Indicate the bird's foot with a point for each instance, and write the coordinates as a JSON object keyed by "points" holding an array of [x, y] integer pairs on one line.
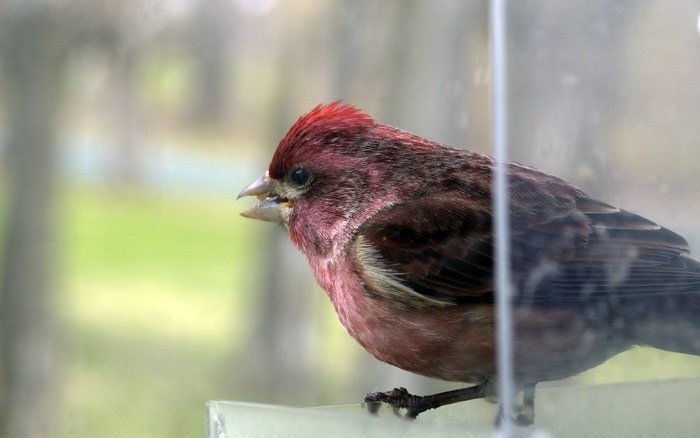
{"points": [[525, 415], [397, 398], [400, 398], [522, 419], [522, 415]]}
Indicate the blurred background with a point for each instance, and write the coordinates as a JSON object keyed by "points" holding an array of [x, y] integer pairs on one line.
{"points": [[131, 291]]}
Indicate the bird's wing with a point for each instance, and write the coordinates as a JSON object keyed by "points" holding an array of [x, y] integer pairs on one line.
{"points": [[565, 247], [427, 252]]}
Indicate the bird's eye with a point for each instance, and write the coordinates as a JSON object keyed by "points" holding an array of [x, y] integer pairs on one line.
{"points": [[300, 176]]}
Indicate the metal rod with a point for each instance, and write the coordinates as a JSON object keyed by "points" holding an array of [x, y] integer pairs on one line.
{"points": [[499, 114]]}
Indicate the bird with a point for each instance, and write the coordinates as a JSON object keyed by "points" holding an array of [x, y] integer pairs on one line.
{"points": [[399, 233]]}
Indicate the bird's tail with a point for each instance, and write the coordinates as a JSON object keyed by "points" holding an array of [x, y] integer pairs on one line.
{"points": [[672, 321]]}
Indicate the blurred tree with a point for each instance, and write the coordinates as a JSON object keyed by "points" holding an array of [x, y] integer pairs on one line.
{"points": [[279, 365], [436, 52], [562, 100], [32, 58], [431, 59], [350, 27], [128, 47], [210, 32], [350, 67]]}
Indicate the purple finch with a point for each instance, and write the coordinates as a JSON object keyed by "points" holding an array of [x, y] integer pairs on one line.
{"points": [[398, 232]]}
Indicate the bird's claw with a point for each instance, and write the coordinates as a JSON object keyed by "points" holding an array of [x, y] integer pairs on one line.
{"points": [[523, 417], [397, 398], [523, 420]]}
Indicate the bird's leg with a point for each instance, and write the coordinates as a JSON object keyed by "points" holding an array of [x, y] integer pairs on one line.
{"points": [[399, 398], [524, 415]]}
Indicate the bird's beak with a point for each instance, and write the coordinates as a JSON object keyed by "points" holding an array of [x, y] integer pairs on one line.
{"points": [[271, 205]]}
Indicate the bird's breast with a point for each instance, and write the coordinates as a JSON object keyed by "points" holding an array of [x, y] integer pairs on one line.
{"points": [[458, 343], [450, 344]]}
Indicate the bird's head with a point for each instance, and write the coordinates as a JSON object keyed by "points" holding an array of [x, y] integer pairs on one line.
{"points": [[334, 168], [318, 177]]}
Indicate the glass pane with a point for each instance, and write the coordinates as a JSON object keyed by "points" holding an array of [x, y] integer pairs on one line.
{"points": [[131, 291], [239, 419], [572, 411], [604, 95]]}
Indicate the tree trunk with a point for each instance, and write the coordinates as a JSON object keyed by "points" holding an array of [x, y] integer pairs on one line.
{"points": [[209, 42], [279, 364], [32, 61], [127, 154]]}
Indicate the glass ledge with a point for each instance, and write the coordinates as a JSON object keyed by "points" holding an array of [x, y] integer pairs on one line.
{"points": [[634, 409]]}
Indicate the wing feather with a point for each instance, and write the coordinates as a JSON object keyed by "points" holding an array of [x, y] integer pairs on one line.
{"points": [[566, 248]]}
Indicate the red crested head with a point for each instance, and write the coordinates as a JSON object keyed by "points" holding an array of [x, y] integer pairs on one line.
{"points": [[332, 167], [315, 130]]}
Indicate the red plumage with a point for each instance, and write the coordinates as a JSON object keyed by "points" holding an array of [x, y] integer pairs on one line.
{"points": [[398, 231], [321, 122]]}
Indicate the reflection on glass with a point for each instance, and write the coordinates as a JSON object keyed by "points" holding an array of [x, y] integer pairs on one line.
{"points": [[126, 128], [589, 103]]}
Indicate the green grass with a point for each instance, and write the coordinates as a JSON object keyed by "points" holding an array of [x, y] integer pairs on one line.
{"points": [[186, 240], [151, 284]]}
